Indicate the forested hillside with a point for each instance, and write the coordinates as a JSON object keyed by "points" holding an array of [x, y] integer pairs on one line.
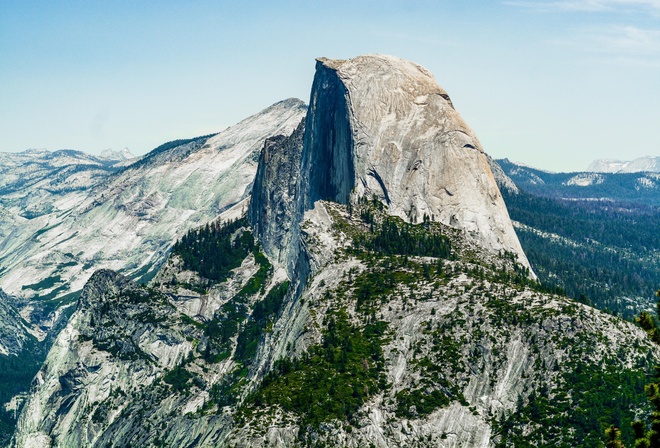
{"points": [[601, 252]]}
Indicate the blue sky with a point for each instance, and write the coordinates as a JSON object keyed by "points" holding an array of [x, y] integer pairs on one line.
{"points": [[554, 84]]}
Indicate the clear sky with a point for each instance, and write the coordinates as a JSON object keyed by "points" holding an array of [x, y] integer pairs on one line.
{"points": [[554, 84]]}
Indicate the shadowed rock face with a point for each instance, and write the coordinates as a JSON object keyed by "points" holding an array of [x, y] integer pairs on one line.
{"points": [[328, 156], [274, 210]]}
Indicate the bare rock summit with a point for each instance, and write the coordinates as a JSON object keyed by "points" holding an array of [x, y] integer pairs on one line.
{"points": [[380, 125]]}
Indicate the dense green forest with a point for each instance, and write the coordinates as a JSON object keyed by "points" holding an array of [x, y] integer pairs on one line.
{"points": [[212, 252], [607, 255], [394, 236]]}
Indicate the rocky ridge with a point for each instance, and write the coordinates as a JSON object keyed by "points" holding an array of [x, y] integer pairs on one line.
{"points": [[127, 220], [454, 350]]}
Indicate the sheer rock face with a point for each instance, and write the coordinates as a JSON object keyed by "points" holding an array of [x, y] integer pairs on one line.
{"points": [[380, 125], [274, 209]]}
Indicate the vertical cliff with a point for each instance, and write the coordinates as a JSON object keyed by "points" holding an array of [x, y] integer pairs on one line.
{"points": [[328, 158], [380, 125], [274, 205]]}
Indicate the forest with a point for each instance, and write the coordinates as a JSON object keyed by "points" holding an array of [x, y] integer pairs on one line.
{"points": [[602, 253]]}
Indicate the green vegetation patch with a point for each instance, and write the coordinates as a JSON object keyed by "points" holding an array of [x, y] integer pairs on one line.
{"points": [[228, 390], [419, 402], [221, 329], [179, 378], [46, 283], [263, 314], [67, 264], [391, 235], [333, 379], [216, 249], [589, 399]]}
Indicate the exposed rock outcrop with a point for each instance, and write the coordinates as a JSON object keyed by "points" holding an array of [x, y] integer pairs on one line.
{"points": [[380, 125], [503, 181]]}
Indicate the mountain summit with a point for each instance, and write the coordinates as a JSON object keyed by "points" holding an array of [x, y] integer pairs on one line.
{"points": [[380, 127], [641, 164], [396, 134], [119, 156]]}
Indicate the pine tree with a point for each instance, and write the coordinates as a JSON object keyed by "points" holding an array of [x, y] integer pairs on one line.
{"points": [[613, 436], [649, 438]]}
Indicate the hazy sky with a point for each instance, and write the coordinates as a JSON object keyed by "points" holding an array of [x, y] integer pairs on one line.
{"points": [[554, 84]]}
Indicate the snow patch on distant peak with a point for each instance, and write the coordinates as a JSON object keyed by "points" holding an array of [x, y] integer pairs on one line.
{"points": [[641, 164], [532, 178], [585, 180], [120, 156]]}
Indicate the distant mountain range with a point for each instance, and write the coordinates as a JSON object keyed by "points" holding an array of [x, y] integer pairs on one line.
{"points": [[641, 164], [634, 188]]}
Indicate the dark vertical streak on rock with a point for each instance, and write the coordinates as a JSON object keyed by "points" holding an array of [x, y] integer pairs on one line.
{"points": [[373, 173], [328, 144]]}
